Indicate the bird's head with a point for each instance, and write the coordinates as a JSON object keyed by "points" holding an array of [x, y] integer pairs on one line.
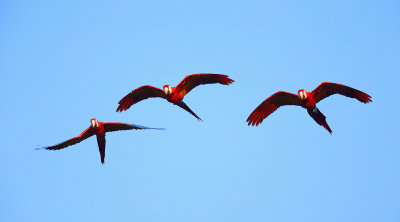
{"points": [[302, 94], [167, 89], [94, 123]]}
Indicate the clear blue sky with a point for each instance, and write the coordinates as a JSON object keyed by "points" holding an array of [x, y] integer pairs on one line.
{"points": [[65, 62]]}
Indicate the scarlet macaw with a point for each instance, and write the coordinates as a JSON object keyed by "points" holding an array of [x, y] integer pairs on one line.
{"points": [[99, 129], [307, 100], [173, 94]]}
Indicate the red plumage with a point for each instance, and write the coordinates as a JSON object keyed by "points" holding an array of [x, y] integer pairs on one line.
{"points": [[307, 100], [99, 129], [173, 95]]}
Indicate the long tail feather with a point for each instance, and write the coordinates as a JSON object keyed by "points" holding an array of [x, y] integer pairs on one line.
{"points": [[101, 141], [319, 118], [185, 107]]}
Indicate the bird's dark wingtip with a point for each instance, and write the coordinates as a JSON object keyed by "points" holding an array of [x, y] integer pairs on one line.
{"points": [[145, 127], [40, 148]]}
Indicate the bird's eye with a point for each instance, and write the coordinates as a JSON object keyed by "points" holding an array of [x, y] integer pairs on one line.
{"points": [[170, 89]]}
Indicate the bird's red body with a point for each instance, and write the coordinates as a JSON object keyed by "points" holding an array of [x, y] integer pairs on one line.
{"points": [[173, 95], [307, 100], [99, 129]]}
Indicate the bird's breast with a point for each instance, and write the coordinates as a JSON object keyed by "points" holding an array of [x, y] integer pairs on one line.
{"points": [[174, 98], [308, 103], [99, 130]]}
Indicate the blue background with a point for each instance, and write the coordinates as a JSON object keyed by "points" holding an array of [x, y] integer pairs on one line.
{"points": [[65, 62]]}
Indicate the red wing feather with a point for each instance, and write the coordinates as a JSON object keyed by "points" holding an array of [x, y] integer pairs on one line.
{"points": [[138, 95], [84, 135], [327, 89], [271, 104], [193, 80]]}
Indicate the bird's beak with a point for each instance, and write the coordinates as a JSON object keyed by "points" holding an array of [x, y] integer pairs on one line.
{"points": [[166, 90]]}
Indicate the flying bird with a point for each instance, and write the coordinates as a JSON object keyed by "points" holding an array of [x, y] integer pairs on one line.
{"points": [[173, 95], [99, 129], [307, 100]]}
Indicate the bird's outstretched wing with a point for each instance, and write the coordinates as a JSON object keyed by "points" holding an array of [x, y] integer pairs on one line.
{"points": [[138, 95], [271, 104], [193, 80], [84, 135], [110, 127], [327, 89]]}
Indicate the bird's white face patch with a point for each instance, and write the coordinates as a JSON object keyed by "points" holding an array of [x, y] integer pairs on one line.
{"points": [[167, 90], [302, 95], [94, 123]]}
